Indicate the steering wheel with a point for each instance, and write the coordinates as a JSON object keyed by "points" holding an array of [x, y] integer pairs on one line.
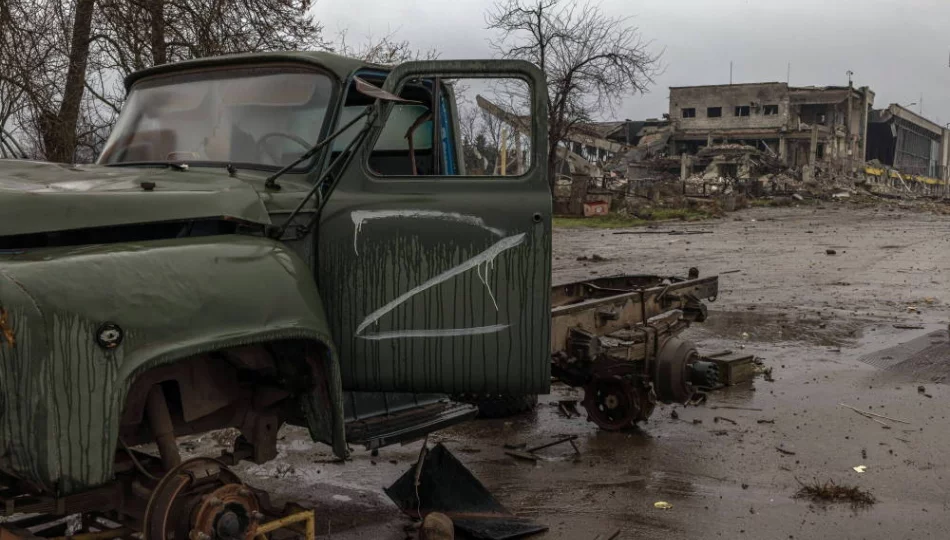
{"points": [[267, 150]]}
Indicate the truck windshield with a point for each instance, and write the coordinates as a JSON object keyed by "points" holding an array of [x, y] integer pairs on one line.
{"points": [[264, 117]]}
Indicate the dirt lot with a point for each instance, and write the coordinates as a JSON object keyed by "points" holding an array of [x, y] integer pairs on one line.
{"points": [[824, 324]]}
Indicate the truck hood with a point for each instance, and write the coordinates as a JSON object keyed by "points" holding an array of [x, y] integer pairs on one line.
{"points": [[43, 197]]}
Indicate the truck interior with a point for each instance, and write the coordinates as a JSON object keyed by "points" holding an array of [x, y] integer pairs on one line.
{"points": [[405, 146]]}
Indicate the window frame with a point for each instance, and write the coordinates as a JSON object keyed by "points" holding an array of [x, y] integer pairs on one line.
{"points": [[450, 138], [709, 111], [307, 167]]}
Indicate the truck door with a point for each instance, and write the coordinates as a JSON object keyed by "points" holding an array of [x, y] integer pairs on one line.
{"points": [[436, 278]]}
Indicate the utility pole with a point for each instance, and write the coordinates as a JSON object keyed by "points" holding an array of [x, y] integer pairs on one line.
{"points": [[945, 150], [847, 127], [730, 71]]}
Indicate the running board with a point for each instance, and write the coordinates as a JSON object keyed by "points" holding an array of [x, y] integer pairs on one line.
{"points": [[407, 425]]}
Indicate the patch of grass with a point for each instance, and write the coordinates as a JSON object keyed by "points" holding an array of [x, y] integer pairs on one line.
{"points": [[610, 221], [830, 492], [776, 202], [619, 221], [762, 203], [682, 214]]}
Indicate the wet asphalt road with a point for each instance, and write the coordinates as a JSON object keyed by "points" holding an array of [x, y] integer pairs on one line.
{"points": [[823, 323]]}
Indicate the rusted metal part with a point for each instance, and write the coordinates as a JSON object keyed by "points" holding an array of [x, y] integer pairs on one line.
{"points": [[160, 422], [615, 403], [628, 299], [6, 330], [201, 499], [230, 511], [672, 380], [529, 453], [616, 338]]}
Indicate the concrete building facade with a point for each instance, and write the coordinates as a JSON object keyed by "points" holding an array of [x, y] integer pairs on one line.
{"points": [[801, 125]]}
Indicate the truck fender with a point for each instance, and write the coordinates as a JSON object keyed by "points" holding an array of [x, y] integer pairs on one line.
{"points": [[154, 303]]}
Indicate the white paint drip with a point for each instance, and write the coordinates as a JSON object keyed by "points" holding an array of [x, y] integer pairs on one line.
{"points": [[484, 277], [437, 332], [361, 216], [485, 256]]}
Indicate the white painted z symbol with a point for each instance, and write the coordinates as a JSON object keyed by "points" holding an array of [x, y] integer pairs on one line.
{"points": [[482, 263]]}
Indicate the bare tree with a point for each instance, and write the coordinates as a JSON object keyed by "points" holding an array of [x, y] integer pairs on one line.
{"points": [[11, 103], [185, 29], [387, 50], [590, 60], [66, 58], [44, 50]]}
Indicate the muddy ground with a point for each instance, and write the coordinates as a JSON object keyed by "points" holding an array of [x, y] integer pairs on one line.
{"points": [[823, 323]]}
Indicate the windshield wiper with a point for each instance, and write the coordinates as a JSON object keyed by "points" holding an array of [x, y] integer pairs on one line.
{"points": [[271, 181], [341, 162]]}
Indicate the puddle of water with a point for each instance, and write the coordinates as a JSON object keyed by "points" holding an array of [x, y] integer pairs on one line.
{"points": [[782, 327]]}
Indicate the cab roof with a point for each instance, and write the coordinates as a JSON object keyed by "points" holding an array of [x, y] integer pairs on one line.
{"points": [[340, 66]]}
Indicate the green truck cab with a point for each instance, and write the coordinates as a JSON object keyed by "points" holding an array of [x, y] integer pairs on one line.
{"points": [[266, 239]]}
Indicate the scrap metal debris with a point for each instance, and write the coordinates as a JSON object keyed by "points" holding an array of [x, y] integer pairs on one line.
{"points": [[443, 484], [568, 407], [529, 453], [874, 416], [735, 408]]}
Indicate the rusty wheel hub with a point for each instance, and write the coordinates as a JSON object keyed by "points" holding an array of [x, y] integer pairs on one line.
{"points": [[228, 513], [201, 499], [611, 403]]}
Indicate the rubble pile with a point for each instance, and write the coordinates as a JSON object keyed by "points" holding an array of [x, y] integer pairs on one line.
{"points": [[646, 180]]}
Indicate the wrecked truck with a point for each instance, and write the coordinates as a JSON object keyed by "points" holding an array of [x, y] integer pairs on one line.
{"points": [[276, 239]]}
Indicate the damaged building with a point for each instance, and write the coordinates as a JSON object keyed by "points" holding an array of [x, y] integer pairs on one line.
{"points": [[904, 140], [799, 125]]}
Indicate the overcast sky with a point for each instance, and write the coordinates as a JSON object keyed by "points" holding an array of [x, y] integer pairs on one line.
{"points": [[898, 48]]}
